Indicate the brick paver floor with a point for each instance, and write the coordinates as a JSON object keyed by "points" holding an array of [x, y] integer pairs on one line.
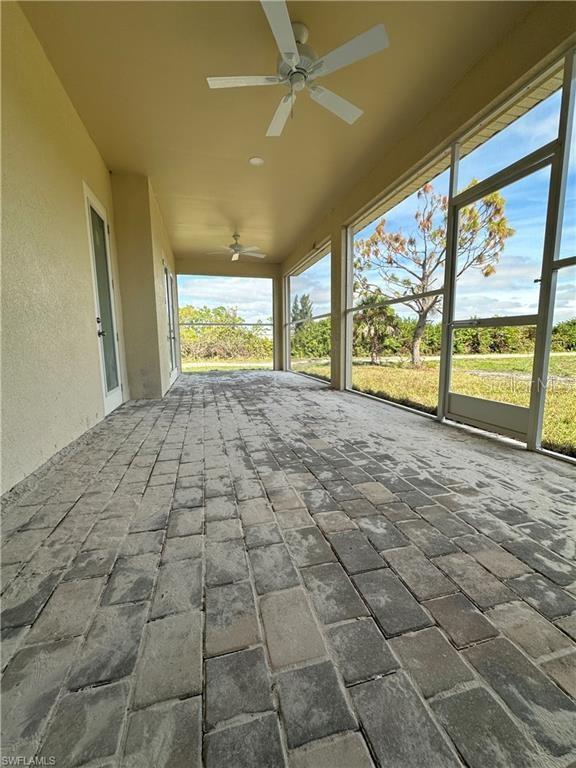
{"points": [[256, 571]]}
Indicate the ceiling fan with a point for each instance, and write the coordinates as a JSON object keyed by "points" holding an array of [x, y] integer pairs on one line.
{"points": [[299, 67], [237, 249]]}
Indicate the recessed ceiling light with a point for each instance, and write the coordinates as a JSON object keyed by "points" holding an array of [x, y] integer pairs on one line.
{"points": [[256, 161]]}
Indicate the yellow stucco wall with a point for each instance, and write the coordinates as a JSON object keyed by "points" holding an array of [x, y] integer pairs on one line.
{"points": [[51, 379], [162, 255]]}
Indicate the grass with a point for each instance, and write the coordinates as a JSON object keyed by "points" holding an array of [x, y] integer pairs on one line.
{"points": [[495, 377], [202, 366]]}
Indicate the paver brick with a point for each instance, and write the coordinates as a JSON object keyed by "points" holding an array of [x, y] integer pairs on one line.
{"points": [[360, 651], [425, 536], [546, 597], [170, 665], [533, 698], [132, 580], [225, 562], [381, 533], [393, 606], [492, 556], [418, 573], [231, 621], [484, 732], [291, 632], [332, 522], [400, 729], [223, 530], [475, 581], [111, 645], [562, 670], [461, 620], [526, 627], [541, 559], [68, 612], [376, 493], [178, 588], [147, 542], [86, 725], [26, 596], [313, 689], [168, 735], [355, 552], [185, 522], [348, 751], [254, 743], [237, 684], [220, 508], [308, 546], [261, 535], [273, 569], [30, 686], [255, 511], [333, 594], [182, 548], [431, 661]]}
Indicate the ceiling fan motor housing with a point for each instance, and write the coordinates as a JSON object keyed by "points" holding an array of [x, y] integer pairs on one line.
{"points": [[297, 75]]}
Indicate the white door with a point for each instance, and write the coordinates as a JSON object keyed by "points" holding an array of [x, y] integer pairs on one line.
{"points": [[105, 326], [169, 284]]}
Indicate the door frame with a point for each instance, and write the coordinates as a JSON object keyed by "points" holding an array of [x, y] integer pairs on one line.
{"points": [[490, 415], [113, 399], [169, 283]]}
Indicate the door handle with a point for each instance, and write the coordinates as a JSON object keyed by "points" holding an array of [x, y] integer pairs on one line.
{"points": [[101, 333]]}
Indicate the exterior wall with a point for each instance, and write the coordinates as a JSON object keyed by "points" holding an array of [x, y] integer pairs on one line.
{"points": [[51, 376], [162, 256], [225, 267], [538, 41]]}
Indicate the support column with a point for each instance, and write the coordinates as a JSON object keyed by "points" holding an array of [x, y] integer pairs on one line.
{"points": [[279, 320], [133, 228], [339, 287]]}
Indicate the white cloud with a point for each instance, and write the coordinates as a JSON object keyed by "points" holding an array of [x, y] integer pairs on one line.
{"points": [[252, 296]]}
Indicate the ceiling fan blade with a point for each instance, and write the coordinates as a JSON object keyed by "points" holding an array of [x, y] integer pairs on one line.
{"points": [[281, 116], [249, 248], [281, 26], [343, 109], [255, 255], [358, 48], [239, 82]]}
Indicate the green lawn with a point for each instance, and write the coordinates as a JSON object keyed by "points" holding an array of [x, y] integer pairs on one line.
{"points": [[496, 377], [201, 366]]}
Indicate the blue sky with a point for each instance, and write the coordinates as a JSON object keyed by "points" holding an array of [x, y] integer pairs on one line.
{"points": [[315, 281], [509, 291]]}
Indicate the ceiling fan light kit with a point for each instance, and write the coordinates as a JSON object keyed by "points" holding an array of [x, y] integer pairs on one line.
{"points": [[299, 66]]}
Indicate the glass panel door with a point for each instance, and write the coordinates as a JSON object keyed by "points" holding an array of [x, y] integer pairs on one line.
{"points": [[105, 318], [170, 309], [499, 245]]}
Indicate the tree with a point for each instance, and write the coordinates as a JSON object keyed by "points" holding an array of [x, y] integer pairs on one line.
{"points": [[218, 333], [302, 308], [414, 264], [375, 330]]}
